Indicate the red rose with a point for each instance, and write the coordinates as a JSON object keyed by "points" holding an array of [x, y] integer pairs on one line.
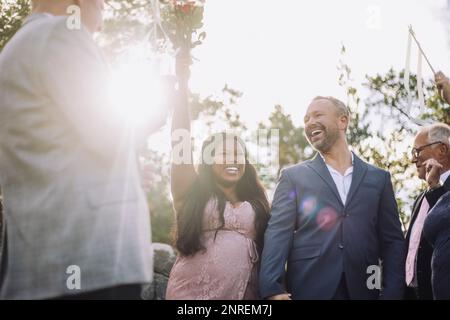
{"points": [[187, 7]]}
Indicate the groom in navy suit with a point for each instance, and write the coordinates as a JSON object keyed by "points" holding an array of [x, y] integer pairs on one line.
{"points": [[334, 224]]}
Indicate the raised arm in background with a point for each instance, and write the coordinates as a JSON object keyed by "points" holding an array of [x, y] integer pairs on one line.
{"points": [[183, 174], [443, 84]]}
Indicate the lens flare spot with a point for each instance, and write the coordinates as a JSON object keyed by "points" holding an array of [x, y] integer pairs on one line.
{"points": [[292, 195], [327, 218], [308, 205]]}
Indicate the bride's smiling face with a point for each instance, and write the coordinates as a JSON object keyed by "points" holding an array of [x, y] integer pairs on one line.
{"points": [[229, 162]]}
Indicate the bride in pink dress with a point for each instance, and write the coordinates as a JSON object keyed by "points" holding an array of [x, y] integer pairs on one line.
{"points": [[222, 212]]}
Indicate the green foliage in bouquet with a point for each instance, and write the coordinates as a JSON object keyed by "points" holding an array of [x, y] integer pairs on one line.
{"points": [[182, 22]]}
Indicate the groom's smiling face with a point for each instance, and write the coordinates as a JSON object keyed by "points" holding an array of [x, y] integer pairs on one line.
{"points": [[322, 124]]}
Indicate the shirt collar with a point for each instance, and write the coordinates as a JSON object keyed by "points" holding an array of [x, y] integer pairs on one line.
{"points": [[347, 172], [444, 176], [353, 158]]}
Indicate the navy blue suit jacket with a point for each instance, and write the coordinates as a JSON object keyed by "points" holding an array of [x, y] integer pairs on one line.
{"points": [[313, 238]]}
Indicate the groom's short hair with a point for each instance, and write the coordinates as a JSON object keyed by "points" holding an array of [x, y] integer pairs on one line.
{"points": [[340, 106]]}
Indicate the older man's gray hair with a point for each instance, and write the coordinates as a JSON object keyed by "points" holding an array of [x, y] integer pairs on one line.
{"points": [[439, 132]]}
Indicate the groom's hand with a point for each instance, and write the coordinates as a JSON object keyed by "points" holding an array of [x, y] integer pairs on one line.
{"points": [[283, 296]]}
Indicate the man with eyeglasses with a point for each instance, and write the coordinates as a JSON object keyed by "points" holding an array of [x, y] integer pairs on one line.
{"points": [[431, 155]]}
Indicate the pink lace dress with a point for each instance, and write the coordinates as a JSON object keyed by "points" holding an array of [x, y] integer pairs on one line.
{"points": [[227, 270]]}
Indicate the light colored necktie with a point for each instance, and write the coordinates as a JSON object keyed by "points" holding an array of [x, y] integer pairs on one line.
{"points": [[415, 240]]}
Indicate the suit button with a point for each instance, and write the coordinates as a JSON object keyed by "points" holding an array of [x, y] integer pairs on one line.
{"points": [[346, 215], [341, 246]]}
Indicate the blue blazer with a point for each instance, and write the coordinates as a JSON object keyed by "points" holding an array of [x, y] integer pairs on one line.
{"points": [[313, 238]]}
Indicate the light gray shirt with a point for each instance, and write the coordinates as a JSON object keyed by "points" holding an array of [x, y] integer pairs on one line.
{"points": [[68, 169]]}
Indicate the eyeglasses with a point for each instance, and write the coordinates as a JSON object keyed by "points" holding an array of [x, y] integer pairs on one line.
{"points": [[415, 152]]}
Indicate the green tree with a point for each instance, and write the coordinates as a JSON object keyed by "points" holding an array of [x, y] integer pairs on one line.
{"points": [[12, 14], [159, 200], [293, 146], [388, 102], [126, 23], [221, 110], [381, 126]]}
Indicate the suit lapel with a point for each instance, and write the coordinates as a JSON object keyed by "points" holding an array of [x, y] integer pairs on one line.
{"points": [[447, 184], [319, 166], [359, 171]]}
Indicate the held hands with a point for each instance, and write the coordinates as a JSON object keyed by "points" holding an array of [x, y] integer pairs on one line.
{"points": [[433, 171], [443, 85], [283, 296]]}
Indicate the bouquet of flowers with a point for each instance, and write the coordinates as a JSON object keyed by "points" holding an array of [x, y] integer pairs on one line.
{"points": [[180, 22]]}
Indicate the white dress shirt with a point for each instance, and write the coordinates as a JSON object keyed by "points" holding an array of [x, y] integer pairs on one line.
{"points": [[444, 176], [342, 182]]}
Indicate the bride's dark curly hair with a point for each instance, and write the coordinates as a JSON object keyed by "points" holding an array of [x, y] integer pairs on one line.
{"points": [[248, 188]]}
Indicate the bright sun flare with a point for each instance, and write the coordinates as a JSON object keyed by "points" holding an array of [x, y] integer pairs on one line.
{"points": [[136, 86]]}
